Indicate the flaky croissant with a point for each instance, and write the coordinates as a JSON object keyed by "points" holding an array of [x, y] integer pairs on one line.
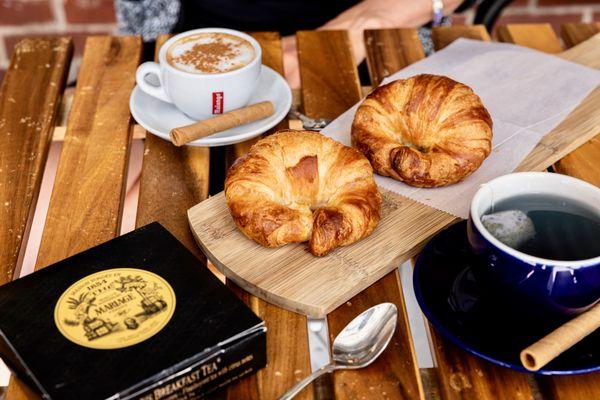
{"points": [[426, 130], [295, 186]]}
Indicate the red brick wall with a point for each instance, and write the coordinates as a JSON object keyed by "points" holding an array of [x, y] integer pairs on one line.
{"points": [[79, 18], [556, 12], [75, 18]]}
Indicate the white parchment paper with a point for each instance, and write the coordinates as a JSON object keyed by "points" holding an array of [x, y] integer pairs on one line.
{"points": [[526, 92]]}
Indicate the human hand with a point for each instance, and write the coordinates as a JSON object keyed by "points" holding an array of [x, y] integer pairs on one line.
{"points": [[369, 14], [381, 14], [290, 61]]}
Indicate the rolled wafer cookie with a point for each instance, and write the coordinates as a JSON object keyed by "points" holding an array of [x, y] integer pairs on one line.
{"points": [[207, 127], [561, 339]]}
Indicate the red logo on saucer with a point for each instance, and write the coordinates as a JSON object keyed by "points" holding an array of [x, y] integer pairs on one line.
{"points": [[217, 103]]}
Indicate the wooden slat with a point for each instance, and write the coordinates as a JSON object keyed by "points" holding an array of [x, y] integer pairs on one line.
{"points": [[395, 374], [465, 377], [29, 101], [173, 179], [86, 202], [272, 56], [329, 86], [581, 163], [88, 191], [442, 36], [287, 337], [389, 50], [575, 33], [329, 79], [576, 387], [535, 36], [584, 53], [58, 134], [461, 375], [288, 356]]}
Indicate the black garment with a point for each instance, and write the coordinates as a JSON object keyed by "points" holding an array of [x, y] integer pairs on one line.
{"points": [[284, 16]]}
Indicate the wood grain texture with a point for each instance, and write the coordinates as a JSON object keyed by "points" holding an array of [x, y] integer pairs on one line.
{"points": [[466, 377], [584, 53], [581, 163], [287, 338], [272, 56], [442, 36], [170, 184], [395, 374], [87, 199], [288, 356], [575, 387], [535, 36], [88, 191], [327, 93], [575, 33], [389, 50], [173, 179], [291, 277], [29, 101], [461, 375]]}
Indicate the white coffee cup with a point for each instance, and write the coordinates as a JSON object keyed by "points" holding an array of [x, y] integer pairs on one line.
{"points": [[201, 95]]}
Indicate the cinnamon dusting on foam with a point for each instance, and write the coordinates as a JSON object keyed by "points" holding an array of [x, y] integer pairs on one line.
{"points": [[210, 53]]}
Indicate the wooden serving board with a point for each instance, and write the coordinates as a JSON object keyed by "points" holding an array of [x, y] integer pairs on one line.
{"points": [[292, 278]]}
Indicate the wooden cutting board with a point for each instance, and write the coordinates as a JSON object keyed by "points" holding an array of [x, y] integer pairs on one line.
{"points": [[292, 278]]}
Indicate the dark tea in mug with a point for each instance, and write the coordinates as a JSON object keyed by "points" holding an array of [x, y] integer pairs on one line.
{"points": [[551, 227]]}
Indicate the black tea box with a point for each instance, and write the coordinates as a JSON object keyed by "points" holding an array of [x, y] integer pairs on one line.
{"points": [[137, 317]]}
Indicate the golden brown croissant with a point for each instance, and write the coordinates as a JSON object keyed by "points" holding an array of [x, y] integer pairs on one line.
{"points": [[426, 130], [295, 186]]}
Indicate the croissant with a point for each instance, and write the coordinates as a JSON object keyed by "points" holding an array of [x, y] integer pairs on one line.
{"points": [[295, 186], [426, 130]]}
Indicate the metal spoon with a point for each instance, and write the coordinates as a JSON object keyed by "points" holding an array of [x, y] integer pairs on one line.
{"points": [[358, 344], [309, 123]]}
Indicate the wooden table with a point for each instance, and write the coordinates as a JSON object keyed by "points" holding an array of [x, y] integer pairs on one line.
{"points": [[87, 199]]}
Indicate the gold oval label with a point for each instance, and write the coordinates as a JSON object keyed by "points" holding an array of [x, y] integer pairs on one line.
{"points": [[114, 308]]}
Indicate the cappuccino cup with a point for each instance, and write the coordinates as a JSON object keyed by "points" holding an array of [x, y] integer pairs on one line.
{"points": [[204, 72]]}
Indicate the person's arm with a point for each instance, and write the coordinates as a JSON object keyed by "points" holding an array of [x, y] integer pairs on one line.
{"points": [[369, 14]]}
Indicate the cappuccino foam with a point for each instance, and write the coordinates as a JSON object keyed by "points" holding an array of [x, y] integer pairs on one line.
{"points": [[210, 53]]}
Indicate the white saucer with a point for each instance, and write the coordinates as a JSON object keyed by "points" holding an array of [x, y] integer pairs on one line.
{"points": [[159, 117]]}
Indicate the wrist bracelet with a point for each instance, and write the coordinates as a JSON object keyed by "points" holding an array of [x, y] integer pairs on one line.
{"points": [[438, 12]]}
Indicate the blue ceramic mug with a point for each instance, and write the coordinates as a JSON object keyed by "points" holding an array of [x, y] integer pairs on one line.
{"points": [[541, 285]]}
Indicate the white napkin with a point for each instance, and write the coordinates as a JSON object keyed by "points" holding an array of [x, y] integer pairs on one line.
{"points": [[526, 92]]}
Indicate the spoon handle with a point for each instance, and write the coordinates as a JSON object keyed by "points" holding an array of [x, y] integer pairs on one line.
{"points": [[304, 382]]}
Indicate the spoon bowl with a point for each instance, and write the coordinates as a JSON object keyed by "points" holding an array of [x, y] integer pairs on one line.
{"points": [[358, 344], [365, 337]]}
